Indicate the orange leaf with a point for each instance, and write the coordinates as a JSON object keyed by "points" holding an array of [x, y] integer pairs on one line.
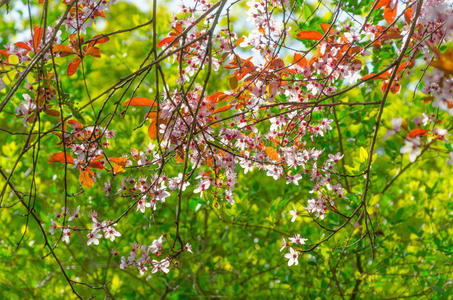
{"points": [[63, 48], [72, 68], [382, 3], [271, 153], [98, 39], [60, 157], [277, 63], [52, 112], [37, 37], [309, 35], [408, 15], [152, 115], [93, 51], [233, 81], [119, 160], [230, 67], [75, 124], [22, 45], [166, 40], [416, 132], [300, 60], [239, 40], [428, 99], [96, 165], [152, 129], [222, 108], [214, 97], [86, 178], [390, 14], [444, 61], [179, 156], [119, 164], [140, 101], [382, 76], [325, 27], [395, 88]]}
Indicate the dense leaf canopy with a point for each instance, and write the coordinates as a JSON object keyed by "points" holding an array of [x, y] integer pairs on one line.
{"points": [[226, 149]]}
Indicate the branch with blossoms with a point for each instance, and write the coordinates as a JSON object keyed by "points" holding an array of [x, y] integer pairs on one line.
{"points": [[271, 116]]}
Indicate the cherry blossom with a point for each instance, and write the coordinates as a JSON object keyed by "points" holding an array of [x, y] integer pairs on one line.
{"points": [[298, 240], [111, 233], [412, 147], [292, 257], [161, 265], [294, 213], [93, 237]]}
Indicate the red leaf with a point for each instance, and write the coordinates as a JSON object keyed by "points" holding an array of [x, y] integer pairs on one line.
{"points": [[222, 108], [214, 97], [86, 178], [140, 101], [408, 15], [72, 68], [22, 45], [75, 124], [99, 39], [300, 60], [271, 153], [325, 27], [416, 132], [52, 112], [60, 157], [152, 129], [381, 3], [230, 67], [37, 37], [309, 35], [4, 53], [166, 40], [96, 165], [63, 48], [390, 14], [395, 88], [93, 51], [385, 75]]}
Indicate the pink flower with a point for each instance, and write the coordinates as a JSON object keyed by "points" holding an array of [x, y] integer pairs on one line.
{"points": [[294, 213], [111, 233], [412, 147], [161, 265], [53, 226], [188, 248], [66, 235], [142, 204], [298, 240], [292, 257], [93, 237], [284, 244]]}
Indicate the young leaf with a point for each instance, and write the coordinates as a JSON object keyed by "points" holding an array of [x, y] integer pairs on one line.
{"points": [[233, 82], [72, 68], [309, 35], [152, 129], [140, 101], [271, 153], [86, 178], [60, 157], [416, 132], [37, 37]]}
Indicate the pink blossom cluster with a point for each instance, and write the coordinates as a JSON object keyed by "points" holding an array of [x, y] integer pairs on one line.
{"points": [[84, 13], [145, 257]]}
